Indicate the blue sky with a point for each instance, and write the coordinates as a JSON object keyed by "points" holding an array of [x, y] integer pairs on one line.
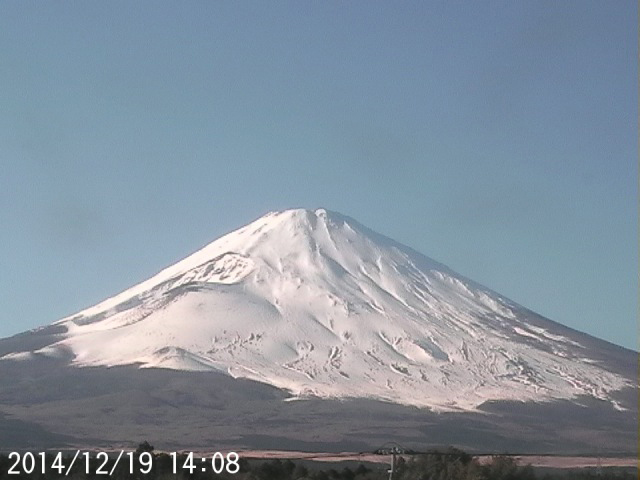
{"points": [[499, 138]]}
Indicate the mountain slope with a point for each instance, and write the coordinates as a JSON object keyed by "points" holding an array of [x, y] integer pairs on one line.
{"points": [[320, 306]]}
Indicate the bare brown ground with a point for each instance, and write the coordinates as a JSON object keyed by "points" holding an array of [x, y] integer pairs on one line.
{"points": [[536, 461]]}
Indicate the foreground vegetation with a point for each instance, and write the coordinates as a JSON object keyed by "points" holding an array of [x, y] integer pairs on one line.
{"points": [[445, 465]]}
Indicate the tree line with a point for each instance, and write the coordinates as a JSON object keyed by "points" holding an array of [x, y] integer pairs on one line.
{"points": [[451, 464]]}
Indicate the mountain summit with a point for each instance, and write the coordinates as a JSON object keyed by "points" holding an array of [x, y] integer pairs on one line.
{"points": [[316, 304]]}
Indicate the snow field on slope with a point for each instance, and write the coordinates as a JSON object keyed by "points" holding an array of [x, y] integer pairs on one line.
{"points": [[316, 304]]}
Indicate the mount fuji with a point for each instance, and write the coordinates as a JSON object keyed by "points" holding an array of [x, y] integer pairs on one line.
{"points": [[316, 309]]}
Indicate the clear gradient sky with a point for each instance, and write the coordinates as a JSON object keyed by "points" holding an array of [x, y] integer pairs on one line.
{"points": [[498, 137]]}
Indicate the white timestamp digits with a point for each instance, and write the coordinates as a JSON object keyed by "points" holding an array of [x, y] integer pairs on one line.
{"points": [[219, 463], [232, 463], [27, 465], [102, 464]]}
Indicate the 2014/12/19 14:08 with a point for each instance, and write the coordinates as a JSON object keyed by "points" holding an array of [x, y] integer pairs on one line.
{"points": [[104, 464]]}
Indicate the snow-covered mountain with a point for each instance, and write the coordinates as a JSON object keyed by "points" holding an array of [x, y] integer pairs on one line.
{"points": [[316, 304]]}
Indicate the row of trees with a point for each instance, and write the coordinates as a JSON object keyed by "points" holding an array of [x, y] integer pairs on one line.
{"points": [[444, 465]]}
